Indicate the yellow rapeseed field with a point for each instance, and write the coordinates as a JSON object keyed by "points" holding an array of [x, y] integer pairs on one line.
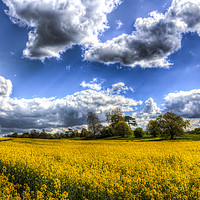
{"points": [[66, 169]]}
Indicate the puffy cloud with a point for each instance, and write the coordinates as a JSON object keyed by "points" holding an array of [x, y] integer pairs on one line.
{"points": [[56, 25], [184, 103], [186, 15], [151, 107], [117, 88], [194, 123], [38, 113], [150, 111], [5, 87], [92, 84], [119, 24], [154, 38]]}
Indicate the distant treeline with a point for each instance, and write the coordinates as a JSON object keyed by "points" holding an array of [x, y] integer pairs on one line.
{"points": [[41, 135], [168, 125], [119, 125], [84, 133]]}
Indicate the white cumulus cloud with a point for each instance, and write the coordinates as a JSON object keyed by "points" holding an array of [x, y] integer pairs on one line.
{"points": [[184, 103], [117, 88], [92, 85], [119, 24], [150, 111], [154, 38], [5, 87], [56, 25], [38, 113]]}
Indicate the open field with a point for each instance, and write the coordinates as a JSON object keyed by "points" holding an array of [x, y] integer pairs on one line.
{"points": [[99, 169]]}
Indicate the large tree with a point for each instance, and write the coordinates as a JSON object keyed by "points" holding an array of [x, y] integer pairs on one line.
{"points": [[93, 123], [153, 128], [122, 129], [84, 132], [107, 131], [172, 124], [115, 116], [139, 133]]}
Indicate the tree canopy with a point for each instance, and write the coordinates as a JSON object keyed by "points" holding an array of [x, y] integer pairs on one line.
{"points": [[115, 116], [153, 128], [138, 132], [122, 129], [172, 125], [130, 120]]}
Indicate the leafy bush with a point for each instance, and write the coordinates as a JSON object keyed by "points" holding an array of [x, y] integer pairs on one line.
{"points": [[138, 132], [122, 129]]}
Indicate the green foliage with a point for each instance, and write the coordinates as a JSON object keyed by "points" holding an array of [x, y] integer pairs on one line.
{"points": [[25, 135], [115, 116], [84, 133], [62, 135], [74, 134], [34, 134], [107, 131], [44, 135], [130, 121], [172, 125], [41, 135], [122, 129], [15, 134], [153, 128], [195, 131], [167, 125], [138, 132]]}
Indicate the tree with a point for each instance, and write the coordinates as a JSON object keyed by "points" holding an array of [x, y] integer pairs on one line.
{"points": [[130, 121], [115, 116], [34, 134], [55, 136], [43, 134], [93, 123], [84, 133], [122, 129], [15, 134], [25, 135], [107, 131], [197, 130], [153, 128], [172, 124], [138, 132], [62, 135], [70, 133], [74, 133]]}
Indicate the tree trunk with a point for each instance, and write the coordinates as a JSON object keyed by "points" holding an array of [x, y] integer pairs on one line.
{"points": [[172, 136]]}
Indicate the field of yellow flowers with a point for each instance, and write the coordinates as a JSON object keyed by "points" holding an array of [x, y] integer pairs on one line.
{"points": [[99, 169]]}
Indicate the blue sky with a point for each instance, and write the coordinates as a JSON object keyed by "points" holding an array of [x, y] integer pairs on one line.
{"points": [[58, 57]]}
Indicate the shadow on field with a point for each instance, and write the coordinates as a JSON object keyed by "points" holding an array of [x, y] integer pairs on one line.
{"points": [[186, 137], [4, 140]]}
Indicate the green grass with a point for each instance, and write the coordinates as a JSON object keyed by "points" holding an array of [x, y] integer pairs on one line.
{"points": [[148, 138]]}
